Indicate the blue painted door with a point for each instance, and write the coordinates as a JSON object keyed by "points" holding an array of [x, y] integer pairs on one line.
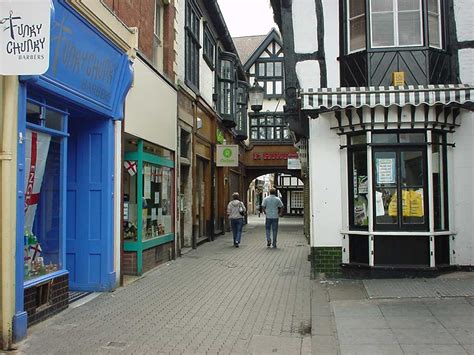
{"points": [[89, 239]]}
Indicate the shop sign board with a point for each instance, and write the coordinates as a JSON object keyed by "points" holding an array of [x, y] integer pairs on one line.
{"points": [[294, 164], [24, 36], [227, 155], [274, 156]]}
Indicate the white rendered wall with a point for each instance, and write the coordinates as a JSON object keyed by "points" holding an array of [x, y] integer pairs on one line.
{"points": [[309, 74], [305, 26], [151, 108], [325, 188], [464, 14], [466, 65], [463, 172], [206, 80], [331, 41]]}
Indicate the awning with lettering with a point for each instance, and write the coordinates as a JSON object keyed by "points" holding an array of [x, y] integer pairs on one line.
{"points": [[334, 99]]}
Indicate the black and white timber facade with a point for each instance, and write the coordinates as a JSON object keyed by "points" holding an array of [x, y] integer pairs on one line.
{"points": [[380, 96]]}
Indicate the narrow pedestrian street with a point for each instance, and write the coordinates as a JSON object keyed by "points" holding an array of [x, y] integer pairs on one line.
{"points": [[215, 299]]}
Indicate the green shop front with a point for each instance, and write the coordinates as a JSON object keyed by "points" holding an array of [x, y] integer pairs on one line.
{"points": [[148, 206]]}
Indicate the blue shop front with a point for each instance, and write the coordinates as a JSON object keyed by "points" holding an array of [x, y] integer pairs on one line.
{"points": [[66, 159]]}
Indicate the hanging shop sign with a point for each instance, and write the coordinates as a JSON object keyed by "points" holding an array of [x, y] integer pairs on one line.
{"points": [[227, 155], [294, 164], [24, 36]]}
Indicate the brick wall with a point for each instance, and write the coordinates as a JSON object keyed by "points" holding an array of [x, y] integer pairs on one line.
{"points": [[129, 263], [326, 260], [169, 54], [57, 300], [140, 14]]}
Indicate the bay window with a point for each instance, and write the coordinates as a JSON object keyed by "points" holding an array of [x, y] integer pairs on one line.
{"points": [[227, 86], [241, 114]]}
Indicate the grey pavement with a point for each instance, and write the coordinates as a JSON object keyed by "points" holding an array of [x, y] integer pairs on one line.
{"points": [[395, 316], [216, 299]]}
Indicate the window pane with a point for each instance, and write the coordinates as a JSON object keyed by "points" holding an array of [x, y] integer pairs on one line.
{"points": [[270, 69], [270, 121], [360, 188], [433, 6], [54, 120], [254, 133], [226, 69], [254, 122], [386, 206], [358, 139], [381, 5], [439, 183], [435, 36], [278, 133], [278, 87], [261, 69], [382, 30], [33, 113], [412, 138], [278, 69], [357, 34], [413, 206], [412, 168], [384, 138], [408, 5], [269, 89], [356, 7], [409, 28], [269, 132], [263, 121], [261, 133]]}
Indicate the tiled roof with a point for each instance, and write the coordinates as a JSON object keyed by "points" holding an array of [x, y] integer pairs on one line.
{"points": [[247, 45]]}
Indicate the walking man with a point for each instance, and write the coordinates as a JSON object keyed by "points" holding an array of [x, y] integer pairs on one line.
{"points": [[273, 208]]}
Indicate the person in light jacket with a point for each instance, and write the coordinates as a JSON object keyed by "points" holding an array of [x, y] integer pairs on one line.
{"points": [[236, 212], [273, 208]]}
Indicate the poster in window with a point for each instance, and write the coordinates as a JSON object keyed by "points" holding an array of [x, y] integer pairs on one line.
{"points": [[385, 170], [362, 184], [147, 182], [379, 208]]}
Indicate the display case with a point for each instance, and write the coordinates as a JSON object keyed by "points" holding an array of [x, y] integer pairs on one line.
{"points": [[148, 205]]}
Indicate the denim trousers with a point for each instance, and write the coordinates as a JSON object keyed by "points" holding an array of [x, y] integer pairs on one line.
{"points": [[271, 224], [237, 224]]}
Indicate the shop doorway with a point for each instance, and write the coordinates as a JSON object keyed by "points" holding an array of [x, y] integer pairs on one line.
{"points": [[89, 211]]}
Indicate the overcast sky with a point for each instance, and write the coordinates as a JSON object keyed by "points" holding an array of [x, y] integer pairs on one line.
{"points": [[247, 17]]}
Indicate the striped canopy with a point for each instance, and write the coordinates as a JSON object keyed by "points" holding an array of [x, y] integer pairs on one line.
{"points": [[332, 99]]}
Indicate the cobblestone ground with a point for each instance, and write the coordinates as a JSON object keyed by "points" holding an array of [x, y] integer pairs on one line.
{"points": [[216, 299]]}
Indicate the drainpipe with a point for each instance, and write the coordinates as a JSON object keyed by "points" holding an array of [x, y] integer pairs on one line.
{"points": [[8, 121]]}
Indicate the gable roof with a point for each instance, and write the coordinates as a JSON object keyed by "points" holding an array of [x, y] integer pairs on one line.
{"points": [[251, 47]]}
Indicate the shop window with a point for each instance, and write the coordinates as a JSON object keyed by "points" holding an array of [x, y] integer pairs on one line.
{"points": [[399, 170], [440, 177], [358, 183], [44, 190]]}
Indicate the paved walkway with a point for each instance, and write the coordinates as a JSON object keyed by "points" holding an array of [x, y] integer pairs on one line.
{"points": [[215, 299], [399, 316]]}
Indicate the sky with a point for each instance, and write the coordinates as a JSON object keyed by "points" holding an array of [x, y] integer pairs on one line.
{"points": [[247, 17]]}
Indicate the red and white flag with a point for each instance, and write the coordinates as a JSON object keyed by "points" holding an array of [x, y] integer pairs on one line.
{"points": [[131, 166], [36, 153]]}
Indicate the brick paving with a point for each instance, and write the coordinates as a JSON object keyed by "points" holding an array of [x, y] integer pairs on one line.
{"points": [[215, 299]]}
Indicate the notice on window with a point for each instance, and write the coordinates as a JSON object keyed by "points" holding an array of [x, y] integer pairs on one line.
{"points": [[385, 170], [379, 209], [147, 182]]}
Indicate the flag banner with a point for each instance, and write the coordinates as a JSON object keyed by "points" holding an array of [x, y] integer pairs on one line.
{"points": [[36, 153], [130, 166]]}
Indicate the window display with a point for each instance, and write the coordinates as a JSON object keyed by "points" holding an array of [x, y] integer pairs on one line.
{"points": [[155, 206], [43, 191]]}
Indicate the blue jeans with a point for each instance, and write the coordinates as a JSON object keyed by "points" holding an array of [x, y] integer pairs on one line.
{"points": [[237, 224], [271, 223]]}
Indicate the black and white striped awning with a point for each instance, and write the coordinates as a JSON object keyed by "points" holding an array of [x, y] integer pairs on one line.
{"points": [[332, 99]]}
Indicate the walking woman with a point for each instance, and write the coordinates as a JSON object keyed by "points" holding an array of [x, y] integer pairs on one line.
{"points": [[236, 212]]}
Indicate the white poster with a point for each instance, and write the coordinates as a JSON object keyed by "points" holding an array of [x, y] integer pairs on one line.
{"points": [[24, 36], [36, 153], [147, 182], [385, 170], [294, 164], [379, 209]]}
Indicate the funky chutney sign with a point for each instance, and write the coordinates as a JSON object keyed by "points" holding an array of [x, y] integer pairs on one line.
{"points": [[24, 36]]}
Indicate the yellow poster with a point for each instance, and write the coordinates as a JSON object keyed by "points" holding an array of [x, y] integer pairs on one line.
{"points": [[412, 204]]}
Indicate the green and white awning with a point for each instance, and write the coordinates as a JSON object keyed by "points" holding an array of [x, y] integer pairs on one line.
{"points": [[333, 99]]}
